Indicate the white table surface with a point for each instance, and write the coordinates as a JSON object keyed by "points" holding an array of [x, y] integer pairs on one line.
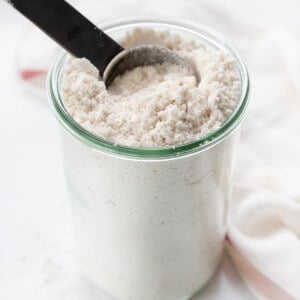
{"points": [[37, 259]]}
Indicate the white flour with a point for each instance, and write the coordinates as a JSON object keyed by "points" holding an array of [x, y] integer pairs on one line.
{"points": [[157, 105], [151, 229]]}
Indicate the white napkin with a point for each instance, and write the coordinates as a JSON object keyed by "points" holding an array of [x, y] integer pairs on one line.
{"points": [[263, 241], [264, 220]]}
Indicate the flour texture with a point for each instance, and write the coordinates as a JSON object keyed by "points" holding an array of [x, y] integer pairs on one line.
{"points": [[159, 105]]}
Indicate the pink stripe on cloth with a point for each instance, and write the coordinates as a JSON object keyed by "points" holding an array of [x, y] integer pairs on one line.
{"points": [[254, 278], [31, 73]]}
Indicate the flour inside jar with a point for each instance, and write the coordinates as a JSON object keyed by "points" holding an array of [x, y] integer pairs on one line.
{"points": [[158, 105]]}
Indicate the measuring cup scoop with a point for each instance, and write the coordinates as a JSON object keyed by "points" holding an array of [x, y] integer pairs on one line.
{"points": [[80, 37]]}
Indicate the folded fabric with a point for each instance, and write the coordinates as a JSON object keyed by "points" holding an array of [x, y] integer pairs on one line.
{"points": [[263, 241]]}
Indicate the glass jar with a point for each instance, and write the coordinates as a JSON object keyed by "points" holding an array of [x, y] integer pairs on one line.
{"points": [[149, 223]]}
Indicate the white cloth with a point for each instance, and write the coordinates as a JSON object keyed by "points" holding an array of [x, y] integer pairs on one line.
{"points": [[264, 219]]}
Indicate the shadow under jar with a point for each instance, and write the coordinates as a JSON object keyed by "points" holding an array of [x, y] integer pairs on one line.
{"points": [[149, 222]]}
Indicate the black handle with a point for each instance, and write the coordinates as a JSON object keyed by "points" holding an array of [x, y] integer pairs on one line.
{"points": [[70, 29]]}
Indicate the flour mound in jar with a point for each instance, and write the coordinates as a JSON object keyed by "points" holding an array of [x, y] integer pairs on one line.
{"points": [[158, 105]]}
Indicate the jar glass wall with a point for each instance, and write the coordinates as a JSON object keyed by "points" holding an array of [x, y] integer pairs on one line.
{"points": [[149, 222]]}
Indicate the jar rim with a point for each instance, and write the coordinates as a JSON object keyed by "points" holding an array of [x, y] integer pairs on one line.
{"points": [[100, 144]]}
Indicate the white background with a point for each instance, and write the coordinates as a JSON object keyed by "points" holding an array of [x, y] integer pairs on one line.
{"points": [[37, 258]]}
